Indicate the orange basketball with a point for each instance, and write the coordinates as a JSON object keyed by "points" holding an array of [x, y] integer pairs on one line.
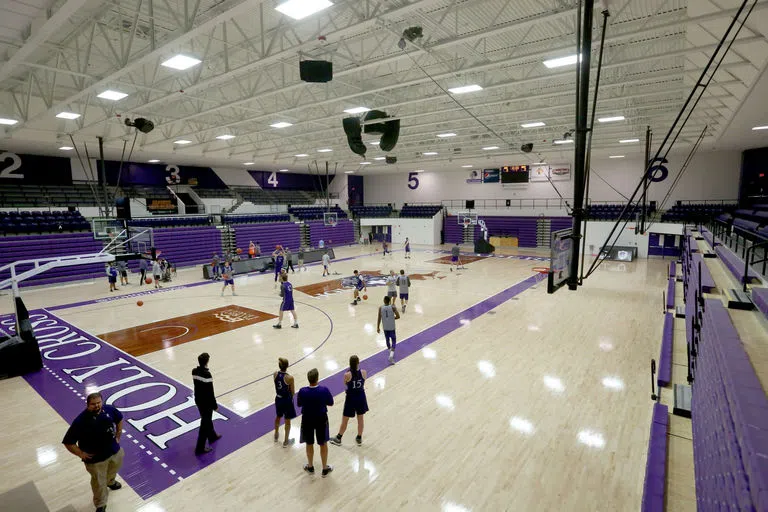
{"points": [[140, 303], [148, 280], [239, 251], [278, 247], [365, 297], [225, 276]]}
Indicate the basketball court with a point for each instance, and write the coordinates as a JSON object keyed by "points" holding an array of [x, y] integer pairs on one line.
{"points": [[471, 397]]}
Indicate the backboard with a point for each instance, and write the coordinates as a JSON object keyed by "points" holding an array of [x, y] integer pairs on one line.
{"points": [[105, 228], [330, 219], [467, 218]]}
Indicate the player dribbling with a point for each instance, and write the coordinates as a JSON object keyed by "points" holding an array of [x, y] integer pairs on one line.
{"points": [[387, 316], [359, 284]]}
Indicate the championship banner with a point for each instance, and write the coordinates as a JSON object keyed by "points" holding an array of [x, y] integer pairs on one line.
{"points": [[560, 172], [539, 173]]}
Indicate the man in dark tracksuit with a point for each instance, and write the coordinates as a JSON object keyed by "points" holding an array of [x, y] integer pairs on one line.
{"points": [[206, 403]]}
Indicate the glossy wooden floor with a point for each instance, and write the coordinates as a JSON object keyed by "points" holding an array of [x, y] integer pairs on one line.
{"points": [[541, 405]]}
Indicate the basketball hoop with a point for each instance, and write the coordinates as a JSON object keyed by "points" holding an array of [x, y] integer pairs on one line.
{"points": [[467, 222]]}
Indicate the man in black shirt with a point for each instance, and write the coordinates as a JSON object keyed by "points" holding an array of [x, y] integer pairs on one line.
{"points": [[94, 436], [206, 403]]}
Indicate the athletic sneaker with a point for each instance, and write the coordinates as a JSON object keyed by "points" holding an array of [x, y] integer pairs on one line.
{"points": [[295, 326], [309, 469], [277, 326], [404, 306], [288, 443], [354, 303], [336, 440], [359, 440], [277, 436], [327, 470], [391, 357]]}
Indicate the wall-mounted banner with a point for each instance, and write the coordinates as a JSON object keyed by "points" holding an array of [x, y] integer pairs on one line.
{"points": [[16, 169], [290, 181], [560, 172], [161, 175], [491, 176], [475, 176], [539, 173]]}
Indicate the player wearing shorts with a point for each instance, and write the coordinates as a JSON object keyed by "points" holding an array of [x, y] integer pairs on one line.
{"points": [[284, 392], [286, 292], [407, 248], [404, 282], [157, 273], [392, 286], [314, 401], [455, 251], [279, 257], [359, 284], [112, 278], [355, 403], [387, 316], [326, 265], [251, 250], [142, 271], [384, 247], [123, 268], [229, 278], [289, 260]]}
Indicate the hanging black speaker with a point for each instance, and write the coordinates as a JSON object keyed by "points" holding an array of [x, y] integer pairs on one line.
{"points": [[389, 130], [318, 71], [354, 133], [123, 206]]}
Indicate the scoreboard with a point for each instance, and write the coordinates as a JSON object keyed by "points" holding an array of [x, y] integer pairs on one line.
{"points": [[515, 174]]}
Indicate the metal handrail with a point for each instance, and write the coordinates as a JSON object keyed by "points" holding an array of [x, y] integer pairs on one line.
{"points": [[747, 263]]}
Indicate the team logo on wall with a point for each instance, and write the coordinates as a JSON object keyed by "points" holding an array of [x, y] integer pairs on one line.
{"points": [[560, 172], [539, 173], [372, 278], [475, 176]]}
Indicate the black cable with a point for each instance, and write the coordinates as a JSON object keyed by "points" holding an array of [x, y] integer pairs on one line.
{"points": [[89, 171], [680, 114], [612, 187]]}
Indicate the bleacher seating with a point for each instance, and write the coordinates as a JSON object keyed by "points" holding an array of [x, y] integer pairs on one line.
{"points": [[268, 235], [42, 222], [184, 246], [245, 218], [16, 248], [695, 212], [342, 234], [729, 408], [214, 192], [665, 355], [170, 221], [371, 211], [145, 192], [707, 283], [316, 212], [604, 211], [258, 195], [735, 264], [420, 211], [760, 299], [656, 463], [32, 196]]}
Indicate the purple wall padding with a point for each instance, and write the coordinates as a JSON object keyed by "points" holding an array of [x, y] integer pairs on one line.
{"points": [[268, 236], [187, 246], [656, 463], [15, 248], [760, 298], [342, 234], [524, 228], [665, 356], [452, 231], [671, 294]]}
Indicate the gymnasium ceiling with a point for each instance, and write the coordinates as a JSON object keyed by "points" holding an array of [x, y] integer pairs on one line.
{"points": [[59, 55]]}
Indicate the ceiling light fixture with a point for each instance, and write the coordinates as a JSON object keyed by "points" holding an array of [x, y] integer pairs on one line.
{"points": [[490, 148], [7, 122], [283, 170], [564, 141], [468, 166], [419, 170], [301, 155], [153, 161], [616, 156], [535, 124], [756, 128], [325, 150], [560, 61], [628, 141], [66, 148], [300, 9], [248, 163], [281, 124], [182, 142], [374, 143], [610, 119], [356, 110], [380, 158], [539, 163], [67, 115], [365, 163], [112, 95], [446, 135], [465, 89], [225, 137], [349, 172], [181, 62], [430, 153]]}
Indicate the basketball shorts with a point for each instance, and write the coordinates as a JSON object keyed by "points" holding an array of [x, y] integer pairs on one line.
{"points": [[407, 248], [287, 305], [228, 282], [454, 259], [314, 428], [392, 294], [404, 296], [124, 273], [391, 339], [285, 409], [112, 279], [356, 404]]}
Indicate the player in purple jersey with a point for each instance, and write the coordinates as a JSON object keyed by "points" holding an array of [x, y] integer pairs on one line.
{"points": [[314, 401], [355, 402], [279, 257], [286, 292], [284, 391], [229, 280], [407, 248], [359, 285]]}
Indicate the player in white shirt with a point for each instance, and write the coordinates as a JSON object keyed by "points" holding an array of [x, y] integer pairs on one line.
{"points": [[326, 265], [157, 273]]}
